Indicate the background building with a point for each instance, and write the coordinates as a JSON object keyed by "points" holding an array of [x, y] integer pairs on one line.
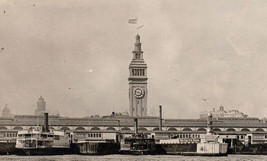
{"points": [[222, 113], [41, 106], [6, 112]]}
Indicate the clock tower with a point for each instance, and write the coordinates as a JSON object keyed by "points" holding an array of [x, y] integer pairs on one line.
{"points": [[138, 82]]}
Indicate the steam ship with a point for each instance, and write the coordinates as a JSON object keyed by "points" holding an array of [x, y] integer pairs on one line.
{"points": [[42, 141], [138, 143], [207, 144]]}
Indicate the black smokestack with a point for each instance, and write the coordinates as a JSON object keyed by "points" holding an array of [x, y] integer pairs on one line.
{"points": [[46, 128], [160, 118], [136, 125]]}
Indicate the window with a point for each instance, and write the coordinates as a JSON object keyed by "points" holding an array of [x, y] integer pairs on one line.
{"points": [[138, 72], [40, 143], [56, 137]]}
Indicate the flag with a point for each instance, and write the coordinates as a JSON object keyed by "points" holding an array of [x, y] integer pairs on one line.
{"points": [[132, 21]]}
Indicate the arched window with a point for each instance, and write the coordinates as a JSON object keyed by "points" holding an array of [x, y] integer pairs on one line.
{"points": [[80, 128], [202, 129], [17, 128], [3, 128], [172, 129], [126, 129], [231, 129], [95, 128], [142, 129], [259, 129], [216, 129], [111, 128], [187, 129], [64, 128]]}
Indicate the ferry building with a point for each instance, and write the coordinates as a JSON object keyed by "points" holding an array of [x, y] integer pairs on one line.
{"points": [[244, 129]]}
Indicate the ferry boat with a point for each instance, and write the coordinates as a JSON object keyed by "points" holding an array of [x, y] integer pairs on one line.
{"points": [[95, 142], [42, 141], [138, 143], [8, 142], [207, 144]]}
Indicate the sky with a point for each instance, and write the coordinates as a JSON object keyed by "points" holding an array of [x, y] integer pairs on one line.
{"points": [[76, 54]]}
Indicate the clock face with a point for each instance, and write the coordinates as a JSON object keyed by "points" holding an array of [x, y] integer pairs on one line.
{"points": [[139, 92]]}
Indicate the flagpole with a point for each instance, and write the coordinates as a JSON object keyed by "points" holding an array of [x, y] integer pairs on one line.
{"points": [[133, 21]]}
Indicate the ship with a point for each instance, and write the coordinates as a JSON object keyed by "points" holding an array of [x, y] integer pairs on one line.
{"points": [[208, 144], [95, 142], [42, 141], [137, 143]]}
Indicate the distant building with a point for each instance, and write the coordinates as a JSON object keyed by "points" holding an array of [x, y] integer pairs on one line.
{"points": [[117, 115], [222, 113], [41, 106], [6, 112]]}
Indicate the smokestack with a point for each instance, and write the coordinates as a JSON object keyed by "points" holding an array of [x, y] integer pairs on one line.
{"points": [[136, 125], [46, 129], [209, 124], [160, 118]]}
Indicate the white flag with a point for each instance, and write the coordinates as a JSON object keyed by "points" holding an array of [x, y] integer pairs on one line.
{"points": [[132, 21]]}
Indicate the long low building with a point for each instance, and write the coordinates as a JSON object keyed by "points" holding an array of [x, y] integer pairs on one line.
{"points": [[246, 130], [125, 123]]}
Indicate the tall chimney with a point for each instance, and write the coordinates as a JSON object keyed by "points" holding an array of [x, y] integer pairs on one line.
{"points": [[160, 118], [46, 129], [136, 125], [209, 124]]}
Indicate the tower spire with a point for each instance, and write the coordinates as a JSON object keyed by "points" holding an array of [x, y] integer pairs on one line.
{"points": [[137, 44]]}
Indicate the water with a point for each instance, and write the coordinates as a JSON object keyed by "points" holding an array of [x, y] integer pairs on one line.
{"points": [[133, 158]]}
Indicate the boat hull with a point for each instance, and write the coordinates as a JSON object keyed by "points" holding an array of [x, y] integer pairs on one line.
{"points": [[7, 148], [203, 154], [175, 149], [92, 148], [138, 152], [44, 151]]}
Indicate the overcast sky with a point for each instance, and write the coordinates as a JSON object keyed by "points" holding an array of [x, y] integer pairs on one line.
{"points": [[76, 55]]}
